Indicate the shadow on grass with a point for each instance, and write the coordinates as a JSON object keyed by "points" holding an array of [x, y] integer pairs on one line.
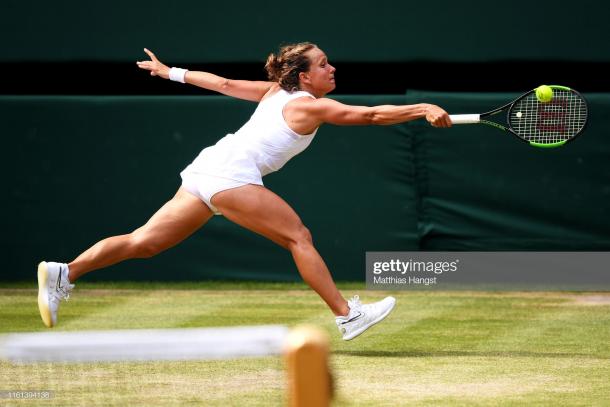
{"points": [[453, 353]]}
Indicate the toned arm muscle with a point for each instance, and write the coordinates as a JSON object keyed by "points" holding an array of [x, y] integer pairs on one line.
{"points": [[248, 90], [325, 110]]}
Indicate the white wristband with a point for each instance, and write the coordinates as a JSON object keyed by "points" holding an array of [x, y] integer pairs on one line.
{"points": [[177, 74]]}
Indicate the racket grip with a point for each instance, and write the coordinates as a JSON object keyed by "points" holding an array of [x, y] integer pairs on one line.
{"points": [[465, 118]]}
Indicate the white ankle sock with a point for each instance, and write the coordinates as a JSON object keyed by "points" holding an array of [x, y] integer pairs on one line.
{"points": [[66, 275]]}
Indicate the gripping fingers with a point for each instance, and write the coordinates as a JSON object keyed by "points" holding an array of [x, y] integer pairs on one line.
{"points": [[436, 121], [437, 117], [441, 120]]}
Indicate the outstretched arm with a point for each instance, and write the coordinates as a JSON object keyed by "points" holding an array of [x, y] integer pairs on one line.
{"points": [[325, 110], [248, 90]]}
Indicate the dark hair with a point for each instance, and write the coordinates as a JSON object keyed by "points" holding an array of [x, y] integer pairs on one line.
{"points": [[285, 66]]}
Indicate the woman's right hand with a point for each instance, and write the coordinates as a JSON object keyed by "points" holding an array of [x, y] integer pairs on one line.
{"points": [[156, 67], [437, 117]]}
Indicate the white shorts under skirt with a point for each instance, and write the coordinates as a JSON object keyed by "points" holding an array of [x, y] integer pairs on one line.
{"points": [[205, 186]]}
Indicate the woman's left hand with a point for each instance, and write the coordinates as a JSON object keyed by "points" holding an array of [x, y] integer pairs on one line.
{"points": [[156, 67]]}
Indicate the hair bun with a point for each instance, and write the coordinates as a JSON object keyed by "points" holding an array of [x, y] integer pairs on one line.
{"points": [[285, 66], [273, 67]]}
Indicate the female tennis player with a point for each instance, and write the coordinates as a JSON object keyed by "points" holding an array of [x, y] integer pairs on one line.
{"points": [[227, 178]]}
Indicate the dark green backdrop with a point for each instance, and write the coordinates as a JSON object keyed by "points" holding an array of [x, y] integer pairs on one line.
{"points": [[77, 169], [194, 31]]}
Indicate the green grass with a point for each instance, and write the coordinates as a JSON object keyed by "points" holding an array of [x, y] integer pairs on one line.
{"points": [[457, 348]]}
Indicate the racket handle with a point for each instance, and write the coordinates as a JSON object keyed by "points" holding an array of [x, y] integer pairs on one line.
{"points": [[465, 118]]}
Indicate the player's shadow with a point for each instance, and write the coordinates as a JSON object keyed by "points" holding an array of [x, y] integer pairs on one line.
{"points": [[451, 353]]}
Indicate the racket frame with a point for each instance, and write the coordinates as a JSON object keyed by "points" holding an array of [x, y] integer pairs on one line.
{"points": [[473, 119]]}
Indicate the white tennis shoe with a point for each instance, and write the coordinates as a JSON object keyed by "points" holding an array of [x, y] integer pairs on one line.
{"points": [[53, 285], [363, 316]]}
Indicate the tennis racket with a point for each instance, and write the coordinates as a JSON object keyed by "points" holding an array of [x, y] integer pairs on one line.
{"points": [[541, 124]]}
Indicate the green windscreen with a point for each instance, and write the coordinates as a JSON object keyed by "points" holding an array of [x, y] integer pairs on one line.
{"points": [[78, 169]]}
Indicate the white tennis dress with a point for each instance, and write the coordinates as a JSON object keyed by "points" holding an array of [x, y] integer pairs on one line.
{"points": [[263, 145]]}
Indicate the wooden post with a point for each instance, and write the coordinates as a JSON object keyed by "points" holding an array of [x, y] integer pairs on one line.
{"points": [[306, 354]]}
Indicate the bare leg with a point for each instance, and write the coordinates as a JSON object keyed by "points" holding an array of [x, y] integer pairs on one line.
{"points": [[174, 222], [260, 210]]}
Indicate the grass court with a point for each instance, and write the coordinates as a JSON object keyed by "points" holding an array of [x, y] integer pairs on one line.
{"points": [[454, 348]]}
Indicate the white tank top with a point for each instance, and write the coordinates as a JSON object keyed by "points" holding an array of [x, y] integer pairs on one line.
{"points": [[262, 145]]}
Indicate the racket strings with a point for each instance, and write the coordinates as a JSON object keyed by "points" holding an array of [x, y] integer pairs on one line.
{"points": [[558, 120]]}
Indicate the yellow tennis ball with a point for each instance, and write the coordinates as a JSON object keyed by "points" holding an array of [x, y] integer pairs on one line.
{"points": [[544, 93]]}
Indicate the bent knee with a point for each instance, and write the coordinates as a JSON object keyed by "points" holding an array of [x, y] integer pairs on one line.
{"points": [[300, 237]]}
